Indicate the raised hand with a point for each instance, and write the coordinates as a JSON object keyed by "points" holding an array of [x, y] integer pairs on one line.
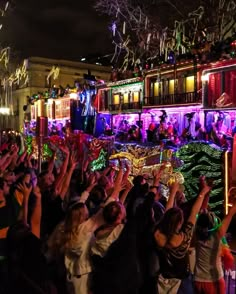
{"points": [[25, 189], [37, 192], [64, 149], [174, 186], [14, 149], [126, 185], [92, 182], [73, 160], [205, 188]]}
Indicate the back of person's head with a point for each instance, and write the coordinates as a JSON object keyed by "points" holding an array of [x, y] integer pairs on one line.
{"points": [[76, 214], [42, 175], [103, 182], [138, 180], [144, 212], [207, 224], [112, 212], [171, 221], [96, 197], [98, 194], [17, 235]]}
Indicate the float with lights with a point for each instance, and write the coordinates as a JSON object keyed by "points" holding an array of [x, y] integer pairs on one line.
{"points": [[173, 107], [188, 108]]}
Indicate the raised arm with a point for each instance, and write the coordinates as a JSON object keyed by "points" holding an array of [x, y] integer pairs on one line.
{"points": [[5, 161], [157, 175], [23, 192], [198, 202], [117, 184], [14, 157], [85, 194], [226, 222], [126, 188], [59, 180], [51, 162], [173, 190], [66, 182], [22, 157], [35, 220]]}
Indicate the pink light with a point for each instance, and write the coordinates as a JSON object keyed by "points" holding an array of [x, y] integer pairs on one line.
{"points": [[174, 109]]}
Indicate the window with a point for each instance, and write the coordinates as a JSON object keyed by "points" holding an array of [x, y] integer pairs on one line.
{"points": [[136, 97], [116, 99], [126, 97], [156, 89], [189, 84], [171, 86]]}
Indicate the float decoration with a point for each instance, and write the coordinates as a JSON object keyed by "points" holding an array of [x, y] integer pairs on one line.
{"points": [[100, 162], [202, 158]]}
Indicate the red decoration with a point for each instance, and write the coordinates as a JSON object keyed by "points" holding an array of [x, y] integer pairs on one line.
{"points": [[227, 258]]}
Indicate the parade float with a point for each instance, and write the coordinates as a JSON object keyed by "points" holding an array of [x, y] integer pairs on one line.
{"points": [[185, 109]]}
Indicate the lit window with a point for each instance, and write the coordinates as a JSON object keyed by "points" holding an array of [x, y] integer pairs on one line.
{"points": [[189, 84], [116, 99], [136, 97], [156, 89], [126, 98], [171, 86]]}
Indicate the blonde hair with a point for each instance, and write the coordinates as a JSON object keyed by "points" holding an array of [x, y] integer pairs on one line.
{"points": [[75, 216]]}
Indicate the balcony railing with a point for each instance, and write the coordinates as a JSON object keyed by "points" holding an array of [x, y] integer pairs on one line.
{"points": [[131, 106], [173, 99]]}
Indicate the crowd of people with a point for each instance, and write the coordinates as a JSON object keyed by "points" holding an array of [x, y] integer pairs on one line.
{"points": [[68, 230]]}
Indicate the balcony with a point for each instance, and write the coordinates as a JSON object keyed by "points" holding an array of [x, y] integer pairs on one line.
{"points": [[173, 99], [126, 107]]}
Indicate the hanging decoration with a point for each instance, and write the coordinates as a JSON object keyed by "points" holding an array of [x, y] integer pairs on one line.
{"points": [[54, 72], [3, 11], [20, 76], [205, 33], [4, 56]]}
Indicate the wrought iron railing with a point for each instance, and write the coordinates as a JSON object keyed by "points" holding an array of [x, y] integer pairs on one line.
{"points": [[173, 99], [125, 106]]}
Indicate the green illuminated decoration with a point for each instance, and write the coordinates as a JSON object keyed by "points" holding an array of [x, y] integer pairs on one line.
{"points": [[100, 162], [28, 144], [202, 159], [47, 152]]}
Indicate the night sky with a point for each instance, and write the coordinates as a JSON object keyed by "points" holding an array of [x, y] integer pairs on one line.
{"points": [[66, 29]]}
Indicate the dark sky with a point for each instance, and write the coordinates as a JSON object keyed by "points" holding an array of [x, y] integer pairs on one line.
{"points": [[55, 28]]}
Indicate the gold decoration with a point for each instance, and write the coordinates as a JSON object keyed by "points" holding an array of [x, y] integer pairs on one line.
{"points": [[55, 70]]}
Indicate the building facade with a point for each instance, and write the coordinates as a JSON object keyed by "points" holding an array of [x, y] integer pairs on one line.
{"points": [[39, 75]]}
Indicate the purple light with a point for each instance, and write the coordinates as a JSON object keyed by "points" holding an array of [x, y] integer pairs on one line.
{"points": [[173, 109], [113, 28]]}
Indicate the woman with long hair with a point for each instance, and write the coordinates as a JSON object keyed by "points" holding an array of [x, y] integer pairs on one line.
{"points": [[173, 237], [75, 216], [208, 272], [62, 237], [60, 242]]}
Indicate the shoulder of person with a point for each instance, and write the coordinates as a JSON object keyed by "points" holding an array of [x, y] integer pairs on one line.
{"points": [[176, 240], [160, 239]]}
